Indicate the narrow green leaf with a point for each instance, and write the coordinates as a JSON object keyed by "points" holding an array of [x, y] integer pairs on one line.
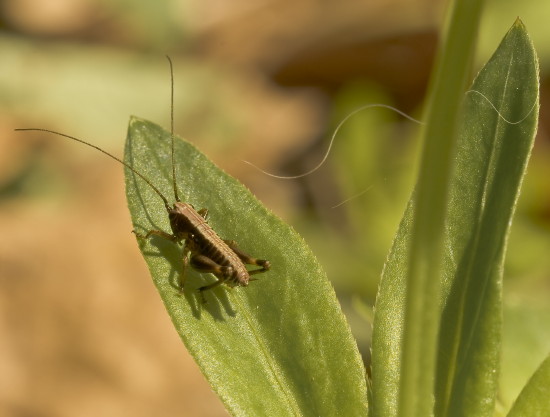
{"points": [[495, 139], [279, 347], [533, 399], [426, 246], [500, 120]]}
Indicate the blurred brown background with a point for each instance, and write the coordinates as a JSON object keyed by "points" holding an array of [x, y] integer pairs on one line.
{"points": [[82, 330]]}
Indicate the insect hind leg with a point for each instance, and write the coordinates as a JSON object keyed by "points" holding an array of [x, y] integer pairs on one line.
{"points": [[203, 263], [247, 259]]}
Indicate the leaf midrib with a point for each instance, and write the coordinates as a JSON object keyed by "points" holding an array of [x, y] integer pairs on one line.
{"points": [[276, 373]]}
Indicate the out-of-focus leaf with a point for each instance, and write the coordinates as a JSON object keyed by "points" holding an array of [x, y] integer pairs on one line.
{"points": [[533, 401]]}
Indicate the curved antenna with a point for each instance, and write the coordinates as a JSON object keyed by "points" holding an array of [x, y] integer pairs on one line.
{"points": [[155, 189], [499, 114], [176, 196], [327, 153]]}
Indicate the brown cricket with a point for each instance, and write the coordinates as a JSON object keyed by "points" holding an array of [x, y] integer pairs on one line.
{"points": [[203, 249]]}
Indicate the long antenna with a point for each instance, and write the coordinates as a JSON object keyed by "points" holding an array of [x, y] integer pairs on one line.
{"points": [[176, 196], [155, 189]]}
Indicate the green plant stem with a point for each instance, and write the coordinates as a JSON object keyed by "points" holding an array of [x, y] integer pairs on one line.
{"points": [[423, 283]]}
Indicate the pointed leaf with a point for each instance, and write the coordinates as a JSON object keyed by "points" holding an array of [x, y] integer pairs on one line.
{"points": [[495, 140], [279, 347], [500, 120]]}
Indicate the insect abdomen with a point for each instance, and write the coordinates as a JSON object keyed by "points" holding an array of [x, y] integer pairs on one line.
{"points": [[205, 241]]}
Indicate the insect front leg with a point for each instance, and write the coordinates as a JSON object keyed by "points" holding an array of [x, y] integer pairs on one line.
{"points": [[160, 233], [172, 238], [247, 259]]}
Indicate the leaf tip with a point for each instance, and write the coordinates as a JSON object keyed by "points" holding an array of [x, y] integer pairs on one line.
{"points": [[518, 24]]}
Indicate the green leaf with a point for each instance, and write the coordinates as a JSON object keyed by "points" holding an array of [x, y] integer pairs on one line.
{"points": [[496, 135], [500, 120], [533, 399], [279, 347]]}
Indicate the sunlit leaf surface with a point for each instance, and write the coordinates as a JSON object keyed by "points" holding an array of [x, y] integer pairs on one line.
{"points": [[279, 347]]}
